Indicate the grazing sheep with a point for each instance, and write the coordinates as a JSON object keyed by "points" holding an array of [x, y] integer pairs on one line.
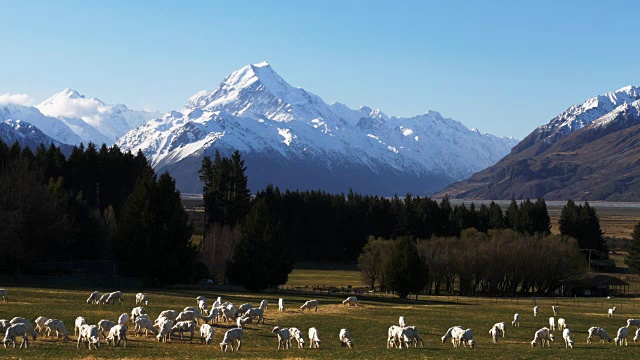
{"points": [[202, 306], [206, 334], [542, 336], [401, 321], [184, 326], [188, 316], [462, 337], [447, 335], [57, 326], [623, 332], [143, 323], [93, 298], [164, 334], [345, 339], [633, 322], [201, 298], [309, 304], [227, 314], [40, 320], [105, 325], [137, 311], [4, 325], [637, 336], [123, 319], [241, 321], [494, 332], [212, 317], [78, 324], [611, 311], [3, 295], [393, 336], [195, 310], [264, 304], [284, 337], [562, 324], [243, 309], [30, 329], [116, 295], [314, 339], [169, 314], [351, 300], [599, 332], [535, 311], [256, 313], [502, 326], [117, 334], [552, 323], [281, 304], [566, 335], [516, 320], [230, 336], [413, 333], [13, 332], [294, 334], [556, 310], [104, 298], [141, 299], [89, 336]]}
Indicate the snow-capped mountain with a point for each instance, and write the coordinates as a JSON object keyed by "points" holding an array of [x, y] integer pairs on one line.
{"points": [[293, 139], [589, 152], [91, 119], [26, 135], [51, 126]]}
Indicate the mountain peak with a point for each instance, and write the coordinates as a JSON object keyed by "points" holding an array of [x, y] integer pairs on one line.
{"points": [[67, 93]]}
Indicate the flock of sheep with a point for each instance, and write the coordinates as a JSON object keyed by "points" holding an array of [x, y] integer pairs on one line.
{"points": [[168, 323], [171, 322]]}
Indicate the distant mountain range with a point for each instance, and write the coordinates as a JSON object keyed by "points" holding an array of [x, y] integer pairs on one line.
{"points": [[589, 152], [293, 139]]}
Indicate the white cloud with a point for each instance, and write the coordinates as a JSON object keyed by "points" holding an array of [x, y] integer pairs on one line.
{"points": [[20, 99]]}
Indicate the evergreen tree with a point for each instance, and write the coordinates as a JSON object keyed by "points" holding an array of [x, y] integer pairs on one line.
{"points": [[633, 257], [583, 224], [260, 258], [405, 273]]}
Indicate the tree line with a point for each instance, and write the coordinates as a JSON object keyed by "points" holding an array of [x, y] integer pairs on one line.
{"points": [[97, 204]]}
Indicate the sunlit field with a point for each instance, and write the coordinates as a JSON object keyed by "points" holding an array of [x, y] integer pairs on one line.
{"points": [[367, 325]]}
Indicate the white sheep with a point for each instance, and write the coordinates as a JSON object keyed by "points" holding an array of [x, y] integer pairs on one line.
{"points": [[137, 311], [57, 326], [40, 320], [309, 304], [184, 326], [141, 299], [226, 313], [164, 334], [535, 311], [552, 323], [3, 295], [4, 325], [633, 322], [194, 309], [623, 332], [566, 335], [30, 328], [201, 298], [516, 320], [413, 333], [256, 313], [243, 309], [284, 337], [212, 317], [295, 334], [542, 336], [188, 316], [89, 336], [562, 324], [345, 339], [13, 332], [230, 336], [93, 298], [169, 314], [502, 326], [116, 295], [123, 319], [117, 334], [243, 320], [556, 310], [264, 304], [494, 332], [104, 298], [143, 323], [637, 336], [202, 306], [599, 332], [449, 332], [105, 325], [611, 311], [462, 337], [401, 321], [78, 324], [314, 339], [351, 300], [206, 334], [281, 304], [393, 336]]}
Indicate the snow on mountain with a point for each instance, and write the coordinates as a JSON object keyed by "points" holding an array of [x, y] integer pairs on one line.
{"points": [[25, 134], [276, 125], [51, 126], [91, 119]]}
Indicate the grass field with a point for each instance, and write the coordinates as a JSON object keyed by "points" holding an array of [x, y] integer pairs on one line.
{"points": [[367, 325]]}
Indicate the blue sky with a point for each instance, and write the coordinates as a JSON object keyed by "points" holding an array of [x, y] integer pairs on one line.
{"points": [[504, 67]]}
